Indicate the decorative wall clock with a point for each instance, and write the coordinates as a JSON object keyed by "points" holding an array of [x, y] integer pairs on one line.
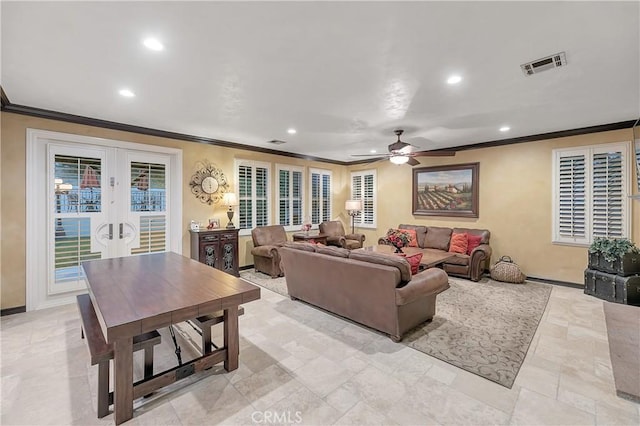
{"points": [[208, 183]]}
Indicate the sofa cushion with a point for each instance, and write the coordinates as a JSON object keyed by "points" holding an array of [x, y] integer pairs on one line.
{"points": [[438, 238], [421, 232], [332, 251], [413, 242], [384, 259], [458, 243], [473, 242], [300, 245], [414, 262], [484, 233]]}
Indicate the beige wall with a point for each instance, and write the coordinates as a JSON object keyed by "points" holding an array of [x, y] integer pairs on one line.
{"points": [[515, 203], [515, 197]]}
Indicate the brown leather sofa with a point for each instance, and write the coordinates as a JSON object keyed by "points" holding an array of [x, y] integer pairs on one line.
{"points": [[336, 236], [266, 242], [436, 238], [373, 289]]}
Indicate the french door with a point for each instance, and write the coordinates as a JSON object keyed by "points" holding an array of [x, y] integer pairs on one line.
{"points": [[102, 201]]}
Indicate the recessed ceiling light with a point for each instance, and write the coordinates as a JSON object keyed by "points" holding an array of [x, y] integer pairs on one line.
{"points": [[126, 93], [454, 79], [505, 128], [153, 44], [292, 131], [373, 151]]}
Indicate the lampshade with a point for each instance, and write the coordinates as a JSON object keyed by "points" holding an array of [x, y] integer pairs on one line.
{"points": [[353, 205], [399, 159], [229, 199]]}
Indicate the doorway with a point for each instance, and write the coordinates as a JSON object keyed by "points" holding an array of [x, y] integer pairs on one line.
{"points": [[95, 199]]}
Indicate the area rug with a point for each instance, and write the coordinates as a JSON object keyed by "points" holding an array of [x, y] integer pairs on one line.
{"points": [[482, 327], [623, 332]]}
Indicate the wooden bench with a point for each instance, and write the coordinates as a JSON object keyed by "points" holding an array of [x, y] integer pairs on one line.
{"points": [[101, 352], [205, 322]]}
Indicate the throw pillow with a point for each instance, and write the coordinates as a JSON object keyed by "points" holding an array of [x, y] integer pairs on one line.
{"points": [[414, 262], [459, 243], [413, 242], [473, 242]]}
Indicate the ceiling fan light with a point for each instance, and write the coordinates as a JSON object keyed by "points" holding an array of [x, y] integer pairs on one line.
{"points": [[399, 159]]}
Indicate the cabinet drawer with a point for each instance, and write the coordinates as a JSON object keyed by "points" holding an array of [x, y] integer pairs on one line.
{"points": [[209, 237], [229, 236]]}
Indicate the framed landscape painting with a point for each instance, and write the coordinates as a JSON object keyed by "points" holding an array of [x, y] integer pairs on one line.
{"points": [[446, 190]]}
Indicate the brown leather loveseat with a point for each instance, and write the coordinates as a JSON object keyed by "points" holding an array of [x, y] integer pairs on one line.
{"points": [[266, 242], [436, 238], [373, 289]]}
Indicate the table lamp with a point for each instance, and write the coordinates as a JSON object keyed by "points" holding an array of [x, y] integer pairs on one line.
{"points": [[229, 199]]}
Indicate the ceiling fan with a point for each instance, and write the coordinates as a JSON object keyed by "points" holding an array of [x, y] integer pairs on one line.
{"points": [[401, 152]]}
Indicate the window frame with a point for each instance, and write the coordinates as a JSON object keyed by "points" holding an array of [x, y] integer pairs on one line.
{"points": [[321, 173], [588, 152], [359, 218], [254, 165], [291, 169]]}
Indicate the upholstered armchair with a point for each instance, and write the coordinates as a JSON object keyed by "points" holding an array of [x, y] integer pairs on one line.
{"points": [[336, 236], [266, 242]]}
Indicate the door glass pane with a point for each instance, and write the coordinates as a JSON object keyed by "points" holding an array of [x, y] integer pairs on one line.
{"points": [[77, 184], [72, 246], [153, 235], [148, 189]]}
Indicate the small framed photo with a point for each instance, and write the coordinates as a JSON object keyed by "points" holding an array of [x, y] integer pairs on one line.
{"points": [[214, 224]]}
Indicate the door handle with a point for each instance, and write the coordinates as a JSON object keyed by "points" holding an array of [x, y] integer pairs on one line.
{"points": [[111, 231], [121, 231]]}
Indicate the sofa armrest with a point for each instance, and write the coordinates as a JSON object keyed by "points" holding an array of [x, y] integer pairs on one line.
{"points": [[265, 251], [477, 261], [337, 241], [359, 237], [384, 241], [429, 282]]}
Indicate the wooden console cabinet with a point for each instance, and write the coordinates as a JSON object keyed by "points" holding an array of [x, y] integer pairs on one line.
{"points": [[217, 248]]}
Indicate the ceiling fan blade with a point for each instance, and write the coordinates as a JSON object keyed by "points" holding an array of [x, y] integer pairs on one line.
{"points": [[369, 155], [413, 162], [440, 153]]}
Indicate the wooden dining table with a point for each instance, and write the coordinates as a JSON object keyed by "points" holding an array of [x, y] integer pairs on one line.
{"points": [[137, 294]]}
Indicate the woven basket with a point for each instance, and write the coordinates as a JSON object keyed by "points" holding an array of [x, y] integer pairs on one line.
{"points": [[506, 270]]}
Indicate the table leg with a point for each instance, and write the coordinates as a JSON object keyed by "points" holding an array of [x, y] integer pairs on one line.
{"points": [[123, 380], [231, 338]]}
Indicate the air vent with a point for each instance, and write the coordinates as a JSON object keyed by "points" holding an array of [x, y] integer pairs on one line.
{"points": [[543, 64], [276, 142]]}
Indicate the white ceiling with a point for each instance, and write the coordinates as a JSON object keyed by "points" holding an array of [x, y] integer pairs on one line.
{"points": [[344, 74]]}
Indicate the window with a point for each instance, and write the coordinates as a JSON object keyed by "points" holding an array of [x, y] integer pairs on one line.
{"points": [[289, 203], [320, 190], [364, 187], [590, 200], [253, 194]]}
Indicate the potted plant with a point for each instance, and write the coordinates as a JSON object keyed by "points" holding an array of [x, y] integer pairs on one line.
{"points": [[614, 255]]}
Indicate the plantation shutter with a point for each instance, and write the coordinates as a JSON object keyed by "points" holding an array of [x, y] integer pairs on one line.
{"points": [[320, 196], [253, 194], [608, 195], [289, 196], [572, 215], [590, 193], [363, 187], [148, 199]]}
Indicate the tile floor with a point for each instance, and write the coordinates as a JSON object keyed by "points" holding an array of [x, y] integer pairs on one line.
{"points": [[299, 365]]}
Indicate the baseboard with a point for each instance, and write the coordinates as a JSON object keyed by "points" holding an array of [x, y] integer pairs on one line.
{"points": [[556, 282], [11, 311], [245, 267]]}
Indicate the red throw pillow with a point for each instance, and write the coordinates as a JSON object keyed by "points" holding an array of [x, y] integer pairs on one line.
{"points": [[459, 243], [414, 262], [473, 242], [413, 242]]}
